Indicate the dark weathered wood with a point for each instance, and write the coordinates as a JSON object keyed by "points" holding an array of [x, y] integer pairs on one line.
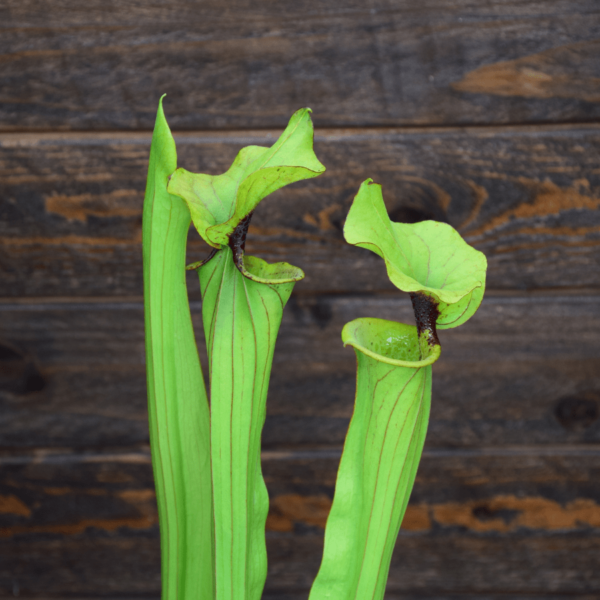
{"points": [[104, 66], [524, 370], [458, 563], [70, 206], [463, 565], [498, 521], [493, 491], [506, 502], [426, 595], [437, 595]]}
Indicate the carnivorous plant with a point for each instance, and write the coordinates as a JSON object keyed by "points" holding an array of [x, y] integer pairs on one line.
{"points": [[211, 495], [445, 278]]}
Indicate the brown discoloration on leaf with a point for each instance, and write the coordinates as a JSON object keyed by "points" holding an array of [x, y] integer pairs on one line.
{"points": [[237, 242], [120, 203], [426, 315], [11, 505], [288, 509], [570, 71]]}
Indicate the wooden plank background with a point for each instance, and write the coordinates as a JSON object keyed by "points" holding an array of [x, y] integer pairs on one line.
{"points": [[481, 113]]}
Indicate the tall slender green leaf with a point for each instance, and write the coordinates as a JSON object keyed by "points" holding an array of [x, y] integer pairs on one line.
{"points": [[177, 402], [380, 459], [241, 320]]}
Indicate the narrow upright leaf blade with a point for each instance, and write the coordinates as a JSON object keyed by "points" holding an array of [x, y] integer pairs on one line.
{"points": [[177, 401]]}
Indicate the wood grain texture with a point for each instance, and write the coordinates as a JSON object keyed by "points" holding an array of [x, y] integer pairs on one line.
{"points": [[479, 522], [524, 370], [70, 206], [445, 567], [104, 66], [507, 501]]}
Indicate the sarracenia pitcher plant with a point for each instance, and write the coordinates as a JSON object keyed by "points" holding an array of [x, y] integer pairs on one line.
{"points": [[445, 278], [212, 499]]}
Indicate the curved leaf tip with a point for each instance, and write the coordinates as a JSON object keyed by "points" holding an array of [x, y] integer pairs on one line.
{"points": [[218, 203], [430, 258], [261, 271]]}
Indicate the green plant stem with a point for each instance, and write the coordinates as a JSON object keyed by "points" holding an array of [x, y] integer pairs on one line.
{"points": [[241, 320], [380, 459], [177, 401]]}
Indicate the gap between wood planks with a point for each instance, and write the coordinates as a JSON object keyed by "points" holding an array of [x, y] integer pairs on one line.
{"points": [[34, 138], [137, 302], [141, 455]]}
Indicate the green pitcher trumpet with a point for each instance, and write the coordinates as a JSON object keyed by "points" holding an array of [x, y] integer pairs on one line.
{"points": [[445, 278]]}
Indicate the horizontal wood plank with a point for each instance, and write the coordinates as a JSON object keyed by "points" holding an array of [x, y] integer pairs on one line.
{"points": [[500, 521], [421, 595], [104, 66], [485, 492], [71, 206], [524, 370], [451, 567]]}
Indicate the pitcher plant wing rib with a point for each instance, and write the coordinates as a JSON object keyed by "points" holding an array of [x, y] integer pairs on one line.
{"points": [[177, 401]]}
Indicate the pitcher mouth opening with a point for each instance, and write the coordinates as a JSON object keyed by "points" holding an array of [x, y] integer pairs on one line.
{"points": [[390, 342]]}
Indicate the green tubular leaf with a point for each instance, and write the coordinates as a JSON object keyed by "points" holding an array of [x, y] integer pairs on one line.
{"points": [[218, 203], [380, 459], [241, 320], [427, 257], [177, 401]]}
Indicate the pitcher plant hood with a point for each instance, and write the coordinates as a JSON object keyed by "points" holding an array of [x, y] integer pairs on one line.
{"points": [[427, 259], [221, 205]]}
